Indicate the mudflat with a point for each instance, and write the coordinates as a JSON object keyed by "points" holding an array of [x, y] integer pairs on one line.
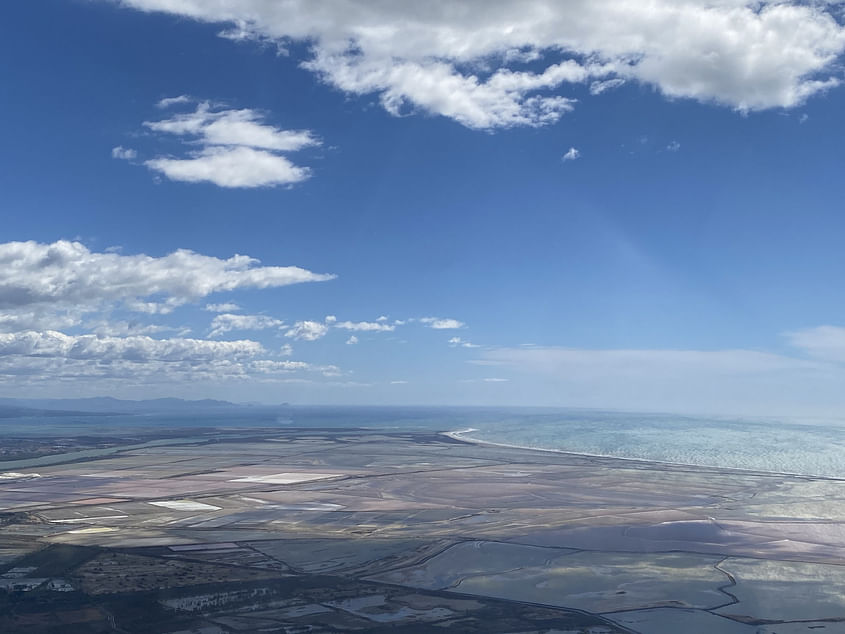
{"points": [[358, 530]]}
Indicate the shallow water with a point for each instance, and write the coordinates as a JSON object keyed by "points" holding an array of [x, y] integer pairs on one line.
{"points": [[760, 445], [810, 448]]}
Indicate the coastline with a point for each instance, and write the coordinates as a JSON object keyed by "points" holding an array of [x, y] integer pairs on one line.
{"points": [[460, 436]]}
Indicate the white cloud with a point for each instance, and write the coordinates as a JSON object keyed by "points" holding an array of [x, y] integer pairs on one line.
{"points": [[123, 153], [67, 275], [137, 349], [227, 322], [286, 350], [18, 319], [598, 87], [52, 358], [458, 342], [571, 154], [464, 61], [231, 167], [167, 102], [352, 340], [365, 326], [330, 319], [231, 127], [48, 287], [494, 379], [229, 147], [226, 307], [674, 146], [442, 324], [821, 342], [399, 383], [269, 366], [307, 330]]}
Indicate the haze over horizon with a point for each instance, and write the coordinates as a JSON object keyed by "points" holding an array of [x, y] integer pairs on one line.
{"points": [[587, 204]]}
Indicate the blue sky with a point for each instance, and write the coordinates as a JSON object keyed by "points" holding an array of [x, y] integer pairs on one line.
{"points": [[686, 257]]}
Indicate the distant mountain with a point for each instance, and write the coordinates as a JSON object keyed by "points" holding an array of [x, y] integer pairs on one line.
{"points": [[107, 404]]}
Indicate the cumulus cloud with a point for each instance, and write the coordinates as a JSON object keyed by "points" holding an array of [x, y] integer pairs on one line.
{"points": [[228, 322], [14, 320], [46, 289], [231, 167], [442, 324], [68, 274], [571, 154], [225, 307], [52, 357], [123, 153], [365, 326], [456, 342], [307, 330], [673, 146], [138, 348], [228, 147], [352, 340], [466, 61]]}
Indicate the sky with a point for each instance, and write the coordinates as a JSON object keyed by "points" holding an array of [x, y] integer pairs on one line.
{"points": [[601, 203]]}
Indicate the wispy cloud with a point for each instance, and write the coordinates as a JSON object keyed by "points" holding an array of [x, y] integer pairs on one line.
{"points": [[228, 322], [821, 342], [442, 324], [365, 326], [167, 102], [705, 381], [123, 153]]}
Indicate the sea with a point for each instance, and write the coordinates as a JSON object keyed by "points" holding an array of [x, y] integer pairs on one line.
{"points": [[806, 447]]}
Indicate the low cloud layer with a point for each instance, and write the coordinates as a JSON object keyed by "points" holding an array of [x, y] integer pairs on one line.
{"points": [[69, 314]]}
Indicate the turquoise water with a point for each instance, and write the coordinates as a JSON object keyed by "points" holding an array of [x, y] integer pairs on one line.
{"points": [[760, 445], [810, 448]]}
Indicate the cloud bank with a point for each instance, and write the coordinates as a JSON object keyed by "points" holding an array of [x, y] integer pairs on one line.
{"points": [[48, 289]]}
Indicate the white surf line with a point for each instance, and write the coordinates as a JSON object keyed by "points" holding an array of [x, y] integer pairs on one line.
{"points": [[460, 435]]}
